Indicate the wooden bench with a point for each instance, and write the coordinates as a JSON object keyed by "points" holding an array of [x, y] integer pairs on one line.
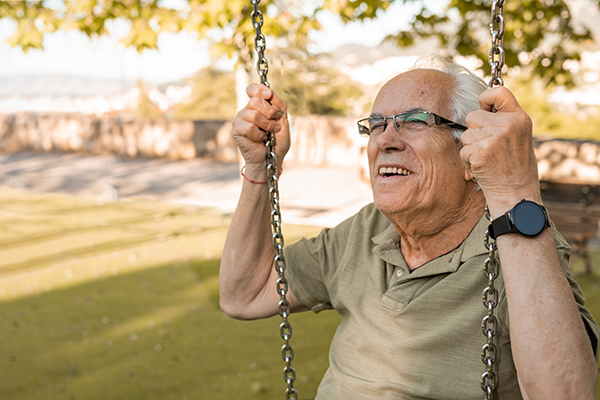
{"points": [[575, 209]]}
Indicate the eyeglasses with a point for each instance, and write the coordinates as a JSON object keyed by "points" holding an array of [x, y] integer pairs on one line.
{"points": [[414, 121]]}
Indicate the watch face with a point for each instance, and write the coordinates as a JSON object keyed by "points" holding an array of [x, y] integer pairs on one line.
{"points": [[528, 218]]}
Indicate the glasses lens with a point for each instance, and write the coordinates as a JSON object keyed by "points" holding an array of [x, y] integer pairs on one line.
{"points": [[415, 117], [363, 129], [377, 125], [412, 121], [372, 125]]}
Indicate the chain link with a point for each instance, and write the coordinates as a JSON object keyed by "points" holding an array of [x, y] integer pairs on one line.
{"points": [[285, 328], [260, 43], [489, 325], [491, 265], [496, 56]]}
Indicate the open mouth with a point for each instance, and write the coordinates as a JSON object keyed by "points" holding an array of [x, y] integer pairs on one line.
{"points": [[393, 171]]}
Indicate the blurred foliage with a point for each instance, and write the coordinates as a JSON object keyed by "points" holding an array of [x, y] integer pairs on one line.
{"points": [[553, 120], [212, 97], [226, 23], [310, 85], [541, 38], [146, 108], [540, 35], [313, 89]]}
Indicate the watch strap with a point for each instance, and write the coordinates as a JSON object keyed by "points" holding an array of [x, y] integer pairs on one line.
{"points": [[500, 226]]}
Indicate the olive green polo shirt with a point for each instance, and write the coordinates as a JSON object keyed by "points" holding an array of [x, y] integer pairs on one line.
{"points": [[404, 335]]}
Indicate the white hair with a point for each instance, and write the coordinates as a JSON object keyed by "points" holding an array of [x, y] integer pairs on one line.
{"points": [[465, 97]]}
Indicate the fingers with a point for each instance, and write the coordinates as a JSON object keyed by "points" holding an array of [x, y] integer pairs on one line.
{"points": [[255, 121], [265, 112], [499, 111], [500, 98], [265, 109], [242, 127], [498, 148], [262, 91], [260, 115]]}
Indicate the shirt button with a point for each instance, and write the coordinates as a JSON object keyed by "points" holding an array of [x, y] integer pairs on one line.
{"points": [[399, 273]]}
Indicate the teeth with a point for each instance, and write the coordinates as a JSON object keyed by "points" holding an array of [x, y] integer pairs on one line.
{"points": [[393, 171]]}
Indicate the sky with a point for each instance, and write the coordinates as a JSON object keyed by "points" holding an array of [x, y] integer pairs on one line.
{"points": [[179, 56]]}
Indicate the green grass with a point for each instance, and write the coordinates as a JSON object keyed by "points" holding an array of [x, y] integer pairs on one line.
{"points": [[119, 300]]}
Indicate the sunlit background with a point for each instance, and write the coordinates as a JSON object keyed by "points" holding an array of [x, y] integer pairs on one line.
{"points": [[118, 176]]}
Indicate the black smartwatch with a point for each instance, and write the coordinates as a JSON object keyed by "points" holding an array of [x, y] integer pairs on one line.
{"points": [[527, 218]]}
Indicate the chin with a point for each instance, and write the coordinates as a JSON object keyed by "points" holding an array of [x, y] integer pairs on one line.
{"points": [[388, 205]]}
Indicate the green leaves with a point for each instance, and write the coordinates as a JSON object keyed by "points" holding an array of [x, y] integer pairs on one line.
{"points": [[33, 21], [212, 97], [352, 10], [27, 35], [540, 35], [312, 87]]}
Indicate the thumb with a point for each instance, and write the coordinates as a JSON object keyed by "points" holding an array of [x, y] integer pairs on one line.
{"points": [[500, 99]]}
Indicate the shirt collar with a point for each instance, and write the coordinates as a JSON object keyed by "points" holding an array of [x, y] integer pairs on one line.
{"points": [[386, 247]]}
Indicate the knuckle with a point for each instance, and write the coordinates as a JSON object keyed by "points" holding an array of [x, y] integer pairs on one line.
{"points": [[467, 137], [253, 115], [273, 112], [254, 102]]}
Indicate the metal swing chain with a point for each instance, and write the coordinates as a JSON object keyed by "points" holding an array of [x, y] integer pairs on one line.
{"points": [[489, 324], [496, 56], [491, 266], [285, 328]]}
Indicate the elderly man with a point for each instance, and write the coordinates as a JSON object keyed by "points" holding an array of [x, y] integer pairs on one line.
{"points": [[405, 273]]}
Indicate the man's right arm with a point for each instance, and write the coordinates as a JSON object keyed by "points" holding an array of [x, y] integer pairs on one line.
{"points": [[247, 277]]}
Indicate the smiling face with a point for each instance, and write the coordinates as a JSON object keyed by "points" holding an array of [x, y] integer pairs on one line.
{"points": [[417, 173]]}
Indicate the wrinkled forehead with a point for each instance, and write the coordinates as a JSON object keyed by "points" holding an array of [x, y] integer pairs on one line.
{"points": [[417, 89]]}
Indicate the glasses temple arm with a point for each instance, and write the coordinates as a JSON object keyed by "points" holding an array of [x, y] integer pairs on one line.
{"points": [[446, 122]]}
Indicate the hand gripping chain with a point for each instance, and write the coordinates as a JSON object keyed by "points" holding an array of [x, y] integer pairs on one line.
{"points": [[285, 328], [490, 296]]}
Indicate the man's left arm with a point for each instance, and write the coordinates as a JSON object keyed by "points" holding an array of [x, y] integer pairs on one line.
{"points": [[551, 347]]}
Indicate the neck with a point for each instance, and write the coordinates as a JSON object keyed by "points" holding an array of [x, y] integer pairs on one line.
{"points": [[424, 239]]}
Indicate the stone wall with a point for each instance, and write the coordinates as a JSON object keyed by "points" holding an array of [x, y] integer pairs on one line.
{"points": [[316, 140], [123, 136]]}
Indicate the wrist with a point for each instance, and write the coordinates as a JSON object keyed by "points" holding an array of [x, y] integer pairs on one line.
{"points": [[254, 175], [499, 205], [257, 174]]}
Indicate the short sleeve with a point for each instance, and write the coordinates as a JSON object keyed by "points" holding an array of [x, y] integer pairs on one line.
{"points": [[313, 265], [307, 269]]}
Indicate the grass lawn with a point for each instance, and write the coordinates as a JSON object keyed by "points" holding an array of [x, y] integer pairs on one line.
{"points": [[119, 300]]}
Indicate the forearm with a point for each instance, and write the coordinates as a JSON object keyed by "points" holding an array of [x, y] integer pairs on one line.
{"points": [[551, 349], [246, 263]]}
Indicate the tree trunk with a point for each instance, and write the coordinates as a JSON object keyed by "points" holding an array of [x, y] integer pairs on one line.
{"points": [[242, 80]]}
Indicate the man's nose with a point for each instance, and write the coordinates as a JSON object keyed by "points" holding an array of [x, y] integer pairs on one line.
{"points": [[391, 139]]}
